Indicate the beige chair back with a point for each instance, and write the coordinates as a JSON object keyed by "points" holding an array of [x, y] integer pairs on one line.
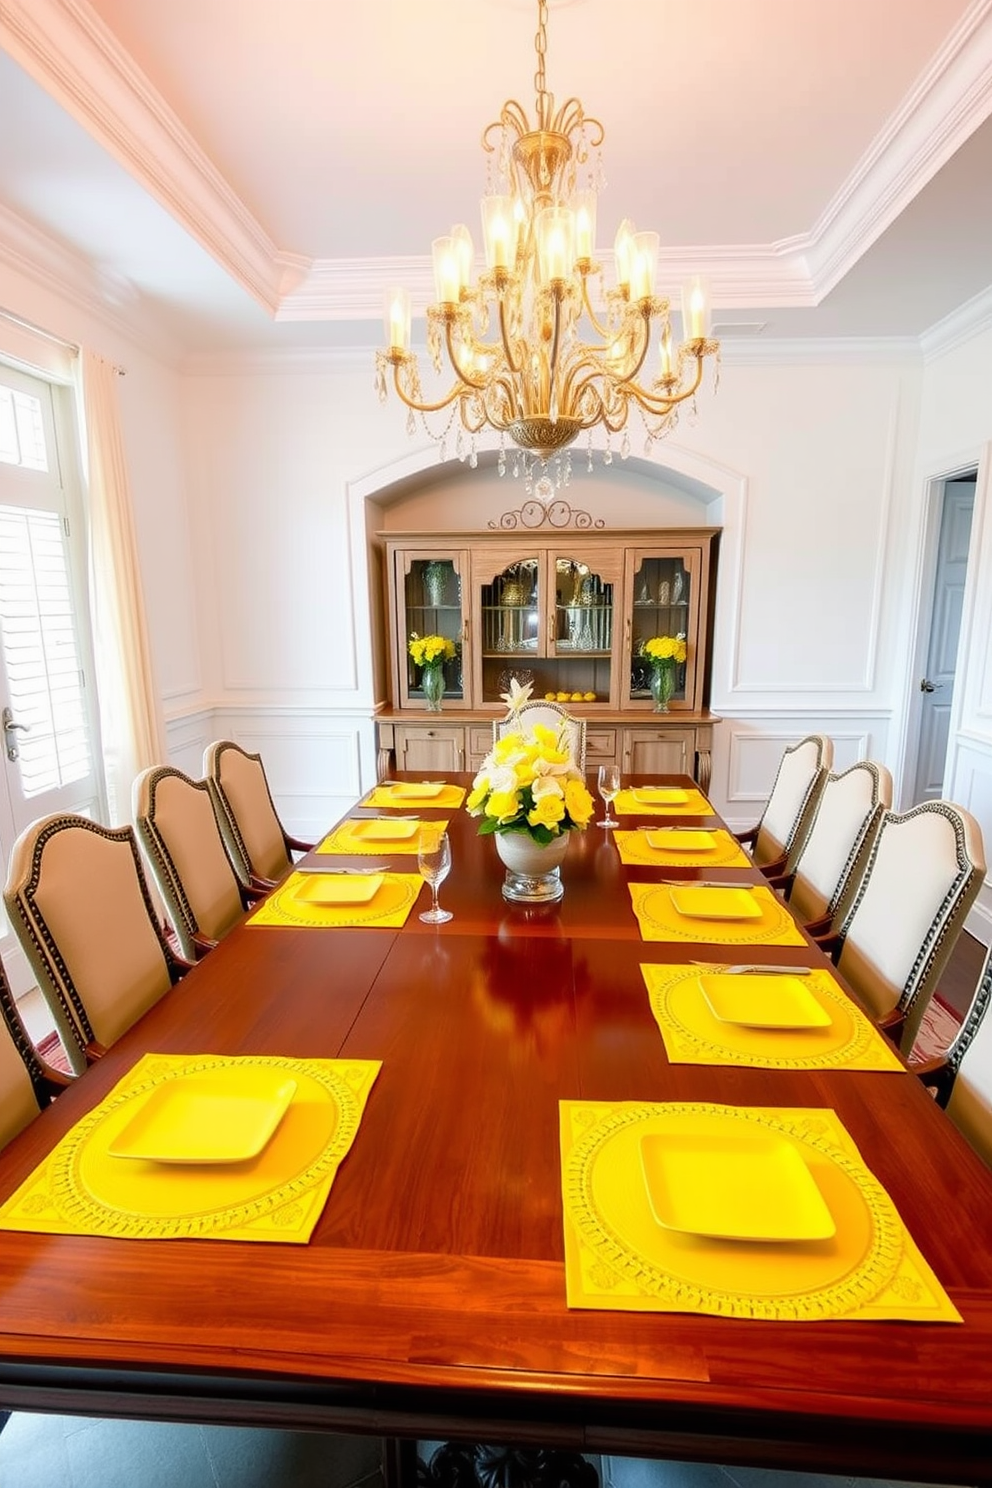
{"points": [[77, 898], [20, 1072], [788, 812], [924, 870], [179, 831], [970, 1059], [552, 716], [253, 833], [847, 817]]}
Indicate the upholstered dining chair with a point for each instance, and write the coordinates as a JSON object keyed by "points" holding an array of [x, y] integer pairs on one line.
{"points": [[962, 1077], [77, 898], [27, 1082], [258, 845], [777, 836], [178, 828], [553, 716], [923, 873], [825, 870]]}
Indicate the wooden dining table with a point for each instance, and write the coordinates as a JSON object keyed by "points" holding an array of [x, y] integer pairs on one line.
{"points": [[430, 1301]]}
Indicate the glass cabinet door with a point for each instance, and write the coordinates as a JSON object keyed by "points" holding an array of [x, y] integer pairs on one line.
{"points": [[665, 603], [509, 621], [431, 604]]}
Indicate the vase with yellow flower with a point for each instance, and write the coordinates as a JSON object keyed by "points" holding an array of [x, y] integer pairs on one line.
{"points": [[429, 653], [664, 655], [530, 795]]}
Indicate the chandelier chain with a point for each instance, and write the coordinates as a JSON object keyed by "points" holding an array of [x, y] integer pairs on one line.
{"points": [[541, 47]]}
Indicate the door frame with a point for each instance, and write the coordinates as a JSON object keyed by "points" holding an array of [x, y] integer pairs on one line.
{"points": [[923, 603]]}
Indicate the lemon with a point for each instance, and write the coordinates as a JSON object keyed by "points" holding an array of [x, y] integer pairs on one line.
{"points": [[561, 697], [578, 697], [590, 697], [549, 697]]}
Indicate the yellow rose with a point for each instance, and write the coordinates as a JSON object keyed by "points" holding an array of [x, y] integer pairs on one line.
{"points": [[548, 811], [503, 805], [578, 802], [477, 796]]}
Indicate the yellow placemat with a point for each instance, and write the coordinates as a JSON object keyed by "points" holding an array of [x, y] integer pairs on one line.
{"points": [[346, 839], [693, 1035], [660, 920], [82, 1189], [696, 805], [388, 907], [619, 1257], [449, 799], [634, 849]]}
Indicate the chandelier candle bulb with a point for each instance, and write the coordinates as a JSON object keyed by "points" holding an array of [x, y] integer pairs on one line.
{"points": [[644, 266], [695, 310], [398, 319], [667, 368], [464, 248], [446, 285], [585, 228], [555, 240], [623, 253], [499, 232]]}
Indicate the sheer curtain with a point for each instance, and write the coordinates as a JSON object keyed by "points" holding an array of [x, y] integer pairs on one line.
{"points": [[130, 715]]}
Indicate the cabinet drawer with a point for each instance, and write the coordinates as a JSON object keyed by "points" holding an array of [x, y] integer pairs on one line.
{"points": [[601, 743], [480, 740], [659, 751], [429, 747]]}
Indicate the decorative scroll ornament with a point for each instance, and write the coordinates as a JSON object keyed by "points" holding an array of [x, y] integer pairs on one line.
{"points": [[556, 513], [533, 357]]}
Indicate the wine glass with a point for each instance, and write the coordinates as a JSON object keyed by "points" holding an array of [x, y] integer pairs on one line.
{"points": [[609, 785], [434, 862]]}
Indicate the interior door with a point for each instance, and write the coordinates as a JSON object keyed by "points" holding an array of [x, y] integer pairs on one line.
{"points": [[937, 686]]}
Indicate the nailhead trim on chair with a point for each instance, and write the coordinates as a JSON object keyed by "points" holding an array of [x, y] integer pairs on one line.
{"points": [[36, 925], [951, 907]]}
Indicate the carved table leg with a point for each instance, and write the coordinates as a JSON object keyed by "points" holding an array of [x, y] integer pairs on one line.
{"points": [[704, 768], [457, 1466]]}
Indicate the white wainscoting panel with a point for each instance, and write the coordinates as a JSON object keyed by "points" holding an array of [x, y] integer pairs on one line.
{"points": [[187, 737], [317, 763], [748, 748]]}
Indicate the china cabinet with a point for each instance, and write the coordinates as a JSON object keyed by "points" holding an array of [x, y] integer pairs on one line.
{"points": [[567, 611]]}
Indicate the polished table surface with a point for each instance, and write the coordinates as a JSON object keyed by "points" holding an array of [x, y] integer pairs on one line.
{"points": [[430, 1300]]}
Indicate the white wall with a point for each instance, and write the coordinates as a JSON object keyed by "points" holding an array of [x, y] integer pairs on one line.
{"points": [[807, 465]]}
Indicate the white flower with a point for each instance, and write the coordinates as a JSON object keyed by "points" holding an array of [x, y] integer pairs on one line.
{"points": [[546, 785], [516, 697], [503, 778]]}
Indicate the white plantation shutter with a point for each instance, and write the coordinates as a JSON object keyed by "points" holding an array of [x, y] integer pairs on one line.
{"points": [[40, 652]]}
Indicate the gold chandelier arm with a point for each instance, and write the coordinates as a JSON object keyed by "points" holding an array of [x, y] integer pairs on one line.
{"points": [[415, 403], [594, 321], [511, 361], [663, 403], [502, 384], [473, 382]]}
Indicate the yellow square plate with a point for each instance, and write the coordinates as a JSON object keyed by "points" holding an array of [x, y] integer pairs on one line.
{"points": [[699, 903], [381, 829], [660, 795], [219, 1116], [409, 790], [751, 1187], [336, 888], [670, 840], [755, 1001]]}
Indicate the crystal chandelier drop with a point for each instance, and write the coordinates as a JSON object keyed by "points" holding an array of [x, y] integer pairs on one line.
{"points": [[532, 357]]}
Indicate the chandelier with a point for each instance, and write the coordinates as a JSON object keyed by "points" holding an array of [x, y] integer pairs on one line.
{"points": [[533, 358]]}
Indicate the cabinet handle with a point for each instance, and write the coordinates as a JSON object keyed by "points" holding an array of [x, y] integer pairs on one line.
{"points": [[430, 733], [461, 759], [465, 625], [626, 630]]}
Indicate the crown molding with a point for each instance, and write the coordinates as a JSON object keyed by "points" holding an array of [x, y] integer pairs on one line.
{"points": [[968, 320], [26, 250], [948, 102], [67, 49]]}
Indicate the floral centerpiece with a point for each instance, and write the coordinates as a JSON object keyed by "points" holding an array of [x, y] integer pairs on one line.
{"points": [[663, 654], [430, 653], [529, 794]]}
